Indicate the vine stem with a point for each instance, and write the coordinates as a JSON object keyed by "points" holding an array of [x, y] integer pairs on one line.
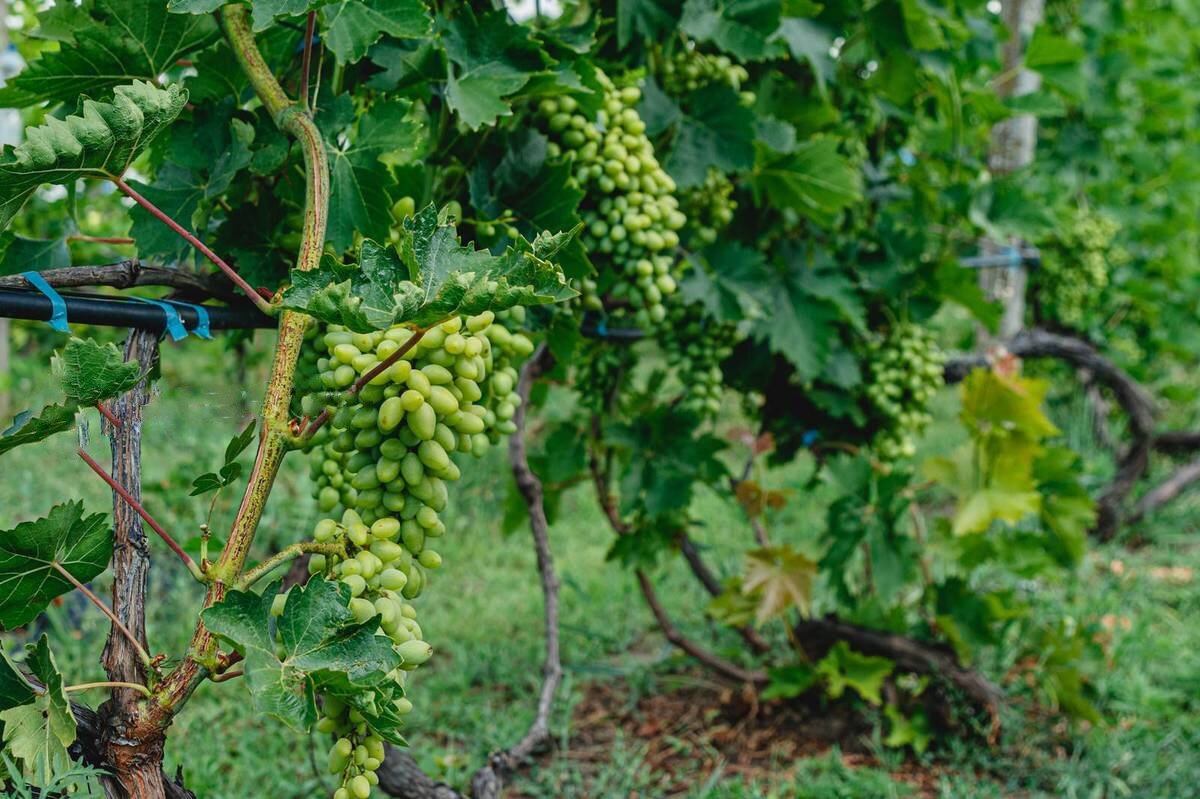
{"points": [[107, 414], [101, 239], [252, 576], [157, 213], [145, 514], [87, 686], [99, 603], [274, 433], [306, 61], [372, 373]]}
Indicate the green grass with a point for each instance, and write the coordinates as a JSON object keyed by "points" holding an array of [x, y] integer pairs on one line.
{"points": [[483, 614]]}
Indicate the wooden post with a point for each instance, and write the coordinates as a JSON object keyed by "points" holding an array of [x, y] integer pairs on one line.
{"points": [[1014, 141]]}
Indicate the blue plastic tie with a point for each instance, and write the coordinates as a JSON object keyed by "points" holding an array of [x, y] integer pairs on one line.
{"points": [[201, 328], [810, 437], [602, 328], [175, 327], [58, 308]]}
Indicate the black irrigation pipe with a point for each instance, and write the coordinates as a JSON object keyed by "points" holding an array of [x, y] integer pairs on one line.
{"points": [[95, 309]]}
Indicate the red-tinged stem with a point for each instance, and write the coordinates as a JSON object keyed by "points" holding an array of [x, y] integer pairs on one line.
{"points": [[101, 239], [367, 377], [107, 414], [306, 61], [227, 675], [141, 511], [99, 603], [158, 214]]}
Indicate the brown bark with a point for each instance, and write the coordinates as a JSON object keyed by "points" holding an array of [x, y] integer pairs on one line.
{"points": [[127, 274], [131, 749]]}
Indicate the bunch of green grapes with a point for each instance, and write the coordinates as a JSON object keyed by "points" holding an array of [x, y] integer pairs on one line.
{"points": [[598, 371], [688, 69], [631, 216], [1075, 266], [905, 373], [695, 345], [307, 382], [380, 468], [709, 207]]}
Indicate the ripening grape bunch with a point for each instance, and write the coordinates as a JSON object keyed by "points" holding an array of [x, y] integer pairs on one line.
{"points": [[1075, 266], [695, 345], [905, 373], [688, 69], [631, 215], [709, 207], [380, 470]]}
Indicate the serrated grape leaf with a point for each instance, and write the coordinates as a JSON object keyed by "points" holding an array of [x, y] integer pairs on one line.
{"points": [[844, 668], [814, 180], [124, 41], [80, 544], [91, 372], [321, 642], [99, 142], [742, 28], [809, 41], [38, 733], [20, 254], [648, 19], [27, 428], [359, 183], [352, 26], [781, 578], [431, 277], [377, 706], [716, 131], [14, 688], [491, 59]]}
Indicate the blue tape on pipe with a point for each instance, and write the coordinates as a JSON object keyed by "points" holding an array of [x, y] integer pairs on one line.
{"points": [[175, 327], [201, 329], [58, 308]]}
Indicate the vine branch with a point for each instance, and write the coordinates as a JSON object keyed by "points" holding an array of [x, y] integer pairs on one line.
{"points": [[103, 608], [253, 575]]}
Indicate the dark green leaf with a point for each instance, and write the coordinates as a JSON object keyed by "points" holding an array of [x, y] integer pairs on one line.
{"points": [[80, 545], [814, 180], [237, 445], [91, 372], [27, 428], [717, 131], [38, 733], [742, 28], [352, 26]]}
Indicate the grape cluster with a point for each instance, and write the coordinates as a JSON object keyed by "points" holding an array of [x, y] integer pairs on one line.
{"points": [[384, 461], [1075, 266], [695, 345], [905, 371], [709, 207], [599, 368], [688, 69], [631, 216]]}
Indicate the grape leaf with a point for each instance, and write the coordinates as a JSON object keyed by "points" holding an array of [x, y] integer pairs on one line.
{"points": [[648, 19], [844, 668], [359, 183], [742, 28], [716, 131], [322, 644], [177, 192], [79, 544], [20, 254], [38, 732], [491, 59], [781, 578], [27, 428], [431, 277], [14, 688], [814, 180], [91, 372], [123, 42], [100, 141], [352, 26]]}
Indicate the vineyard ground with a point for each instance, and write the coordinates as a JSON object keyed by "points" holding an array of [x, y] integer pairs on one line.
{"points": [[634, 720]]}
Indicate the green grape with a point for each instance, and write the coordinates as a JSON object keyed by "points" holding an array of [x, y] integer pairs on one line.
{"points": [[905, 371], [1075, 266], [709, 207], [695, 345], [688, 69], [630, 213], [384, 457]]}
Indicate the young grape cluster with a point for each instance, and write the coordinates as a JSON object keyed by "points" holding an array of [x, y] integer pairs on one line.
{"points": [[631, 216], [709, 207], [384, 461], [1075, 267], [695, 345], [905, 371], [688, 69]]}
